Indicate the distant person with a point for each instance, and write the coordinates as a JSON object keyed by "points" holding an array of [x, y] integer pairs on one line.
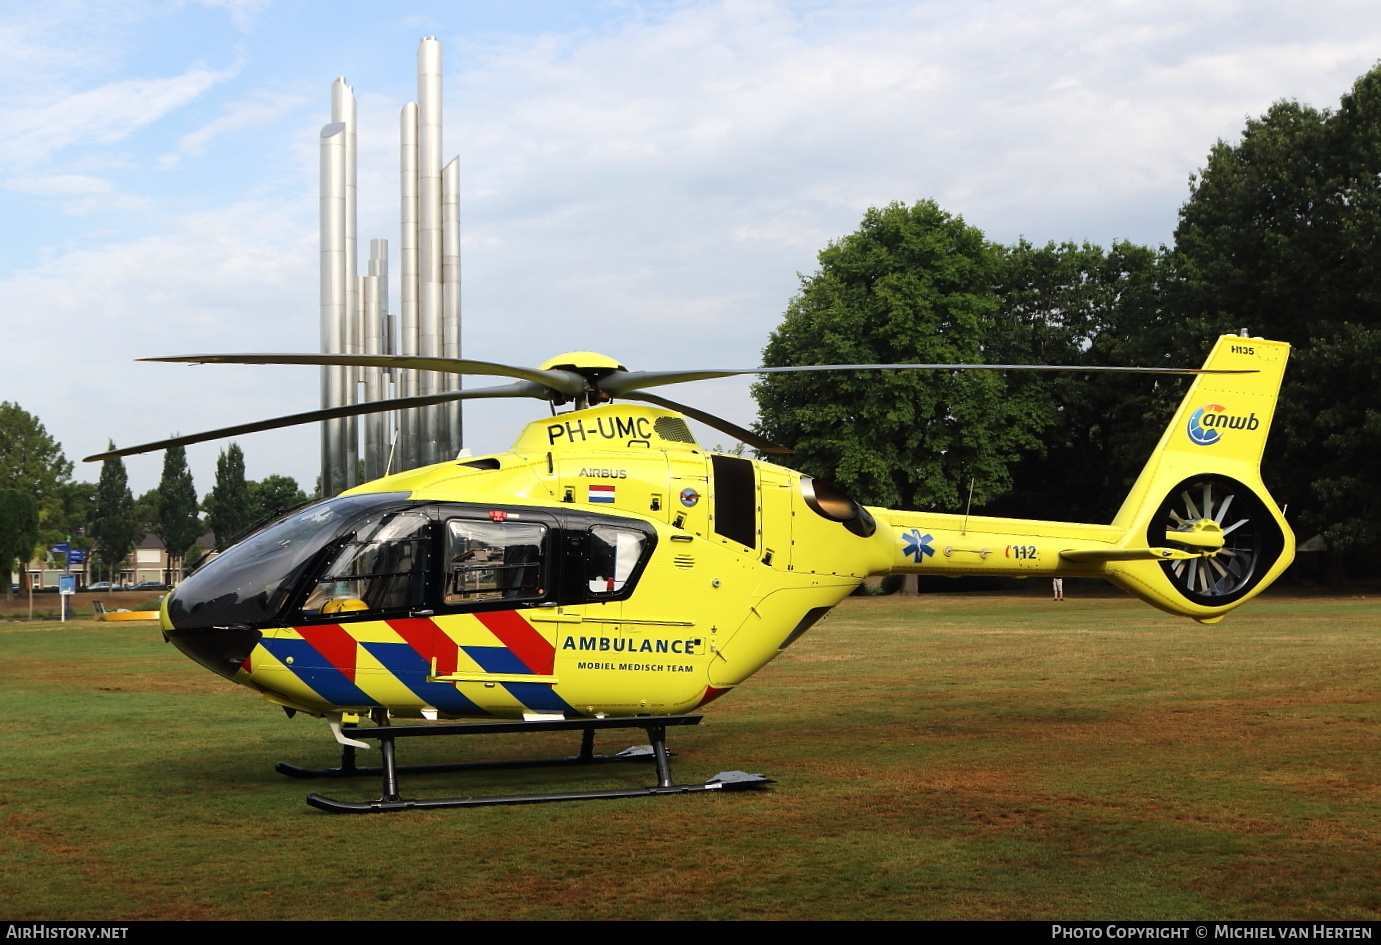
{"points": [[1058, 585]]}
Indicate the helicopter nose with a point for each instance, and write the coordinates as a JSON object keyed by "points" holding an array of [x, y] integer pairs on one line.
{"points": [[223, 650]]}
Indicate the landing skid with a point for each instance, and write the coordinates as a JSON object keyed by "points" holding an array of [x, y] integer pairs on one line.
{"points": [[390, 800], [350, 769]]}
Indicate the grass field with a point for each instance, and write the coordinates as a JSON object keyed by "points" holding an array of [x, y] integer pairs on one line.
{"points": [[939, 757]]}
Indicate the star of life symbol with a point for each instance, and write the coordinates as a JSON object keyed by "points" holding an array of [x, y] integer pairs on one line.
{"points": [[915, 545]]}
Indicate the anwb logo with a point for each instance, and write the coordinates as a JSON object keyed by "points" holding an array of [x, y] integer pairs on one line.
{"points": [[1207, 423]]}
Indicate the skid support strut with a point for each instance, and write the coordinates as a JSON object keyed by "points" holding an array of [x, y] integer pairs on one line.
{"points": [[390, 799]]}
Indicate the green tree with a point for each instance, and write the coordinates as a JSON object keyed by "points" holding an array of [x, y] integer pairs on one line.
{"points": [[1282, 236], [176, 521], [1081, 304], [913, 284], [275, 494], [32, 462], [115, 529], [18, 532], [146, 512], [229, 506], [68, 517]]}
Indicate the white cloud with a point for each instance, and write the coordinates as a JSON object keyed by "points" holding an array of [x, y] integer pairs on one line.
{"points": [[59, 184], [47, 44], [82, 195], [240, 279], [244, 14], [98, 116], [1045, 118], [261, 108]]}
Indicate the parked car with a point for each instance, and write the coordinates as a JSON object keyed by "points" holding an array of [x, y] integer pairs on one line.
{"points": [[104, 586], [149, 586]]}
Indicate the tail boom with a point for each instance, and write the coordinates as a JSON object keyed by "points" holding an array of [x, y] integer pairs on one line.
{"points": [[1198, 534]]}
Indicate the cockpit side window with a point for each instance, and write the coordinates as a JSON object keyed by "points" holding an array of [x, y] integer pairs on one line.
{"points": [[256, 581], [488, 561], [381, 568], [610, 558]]}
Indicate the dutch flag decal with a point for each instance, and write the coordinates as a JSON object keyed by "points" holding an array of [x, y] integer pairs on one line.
{"points": [[601, 494]]}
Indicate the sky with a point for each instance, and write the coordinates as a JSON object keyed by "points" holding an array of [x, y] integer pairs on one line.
{"points": [[646, 179]]}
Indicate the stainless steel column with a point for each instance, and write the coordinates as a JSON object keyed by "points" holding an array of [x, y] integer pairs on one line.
{"points": [[343, 110], [429, 237], [376, 425], [408, 452], [428, 320], [450, 301], [332, 216]]}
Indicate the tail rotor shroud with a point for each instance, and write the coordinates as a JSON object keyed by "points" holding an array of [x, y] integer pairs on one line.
{"points": [[1252, 540]]}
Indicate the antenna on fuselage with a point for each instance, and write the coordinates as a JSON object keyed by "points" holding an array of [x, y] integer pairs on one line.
{"points": [[965, 529]]}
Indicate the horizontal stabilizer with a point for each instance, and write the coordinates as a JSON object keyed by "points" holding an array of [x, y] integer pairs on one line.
{"points": [[1096, 555]]}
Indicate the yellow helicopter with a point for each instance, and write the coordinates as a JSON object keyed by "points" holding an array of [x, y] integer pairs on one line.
{"points": [[608, 572]]}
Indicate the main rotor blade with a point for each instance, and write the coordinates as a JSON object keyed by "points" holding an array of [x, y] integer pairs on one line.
{"points": [[563, 381], [520, 389], [621, 382], [710, 420]]}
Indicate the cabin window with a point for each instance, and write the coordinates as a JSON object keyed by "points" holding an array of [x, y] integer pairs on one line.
{"points": [[382, 567], [494, 561], [611, 556]]}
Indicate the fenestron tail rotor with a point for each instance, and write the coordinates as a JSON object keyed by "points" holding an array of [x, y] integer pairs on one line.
{"points": [[1251, 539]]}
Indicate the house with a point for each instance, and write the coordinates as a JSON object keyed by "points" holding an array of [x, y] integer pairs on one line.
{"points": [[149, 562]]}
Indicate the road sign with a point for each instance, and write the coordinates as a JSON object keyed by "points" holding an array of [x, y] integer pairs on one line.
{"points": [[76, 557], [61, 548]]}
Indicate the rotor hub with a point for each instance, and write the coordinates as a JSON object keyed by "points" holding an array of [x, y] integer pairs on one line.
{"points": [[590, 366]]}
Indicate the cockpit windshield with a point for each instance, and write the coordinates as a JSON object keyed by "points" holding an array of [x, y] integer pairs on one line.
{"points": [[250, 583]]}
